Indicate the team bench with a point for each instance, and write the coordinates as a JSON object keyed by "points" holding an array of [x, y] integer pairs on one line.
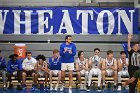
{"points": [[75, 80]]}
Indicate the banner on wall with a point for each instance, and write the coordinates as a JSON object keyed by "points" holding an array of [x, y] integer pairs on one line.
{"points": [[68, 20]]}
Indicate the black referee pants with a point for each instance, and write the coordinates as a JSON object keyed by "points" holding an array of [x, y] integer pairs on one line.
{"points": [[131, 71]]}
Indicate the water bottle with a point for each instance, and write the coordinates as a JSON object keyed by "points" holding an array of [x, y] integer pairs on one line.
{"points": [[49, 41]]}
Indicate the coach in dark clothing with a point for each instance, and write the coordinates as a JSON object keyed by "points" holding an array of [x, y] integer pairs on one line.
{"points": [[134, 62]]}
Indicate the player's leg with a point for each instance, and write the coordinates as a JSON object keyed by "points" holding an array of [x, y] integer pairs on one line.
{"points": [[50, 77], [79, 78], [4, 79], [86, 79], [70, 68], [59, 78], [63, 73], [70, 80], [99, 78], [10, 80], [103, 78], [34, 87], [46, 81], [24, 79], [91, 72], [119, 80], [33, 77], [19, 75], [115, 78], [119, 76]]}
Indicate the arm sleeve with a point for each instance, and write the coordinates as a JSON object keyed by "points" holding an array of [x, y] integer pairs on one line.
{"points": [[8, 67], [137, 74], [61, 50], [4, 63], [20, 65], [23, 64], [74, 50]]}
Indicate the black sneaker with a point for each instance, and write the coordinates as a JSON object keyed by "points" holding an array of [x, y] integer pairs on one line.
{"points": [[99, 89], [10, 86], [88, 88], [19, 87], [115, 87], [103, 87], [5, 88]]}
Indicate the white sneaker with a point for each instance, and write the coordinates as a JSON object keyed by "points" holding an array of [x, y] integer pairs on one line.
{"points": [[119, 88], [81, 87], [56, 88], [51, 88], [70, 90], [62, 88], [127, 87]]}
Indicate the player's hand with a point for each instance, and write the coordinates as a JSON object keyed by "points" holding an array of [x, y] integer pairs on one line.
{"points": [[65, 49], [42, 68], [39, 67], [84, 67], [70, 52], [15, 73], [48, 70], [110, 67], [16, 69], [130, 36], [124, 83]]}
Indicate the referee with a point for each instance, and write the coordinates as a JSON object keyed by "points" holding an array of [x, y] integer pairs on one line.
{"points": [[134, 63]]}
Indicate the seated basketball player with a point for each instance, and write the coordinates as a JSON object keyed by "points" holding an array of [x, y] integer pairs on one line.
{"points": [[28, 69], [14, 68], [109, 68], [3, 69], [122, 67], [82, 69], [55, 68], [41, 70], [95, 67]]}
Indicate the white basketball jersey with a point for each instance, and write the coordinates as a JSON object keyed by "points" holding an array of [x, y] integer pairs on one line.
{"points": [[124, 65], [95, 61], [109, 63], [81, 63]]}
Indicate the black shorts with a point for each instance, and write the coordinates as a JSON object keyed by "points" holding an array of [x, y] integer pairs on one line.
{"points": [[28, 73]]}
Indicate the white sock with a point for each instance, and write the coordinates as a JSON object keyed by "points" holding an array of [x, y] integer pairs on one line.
{"points": [[4, 85]]}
